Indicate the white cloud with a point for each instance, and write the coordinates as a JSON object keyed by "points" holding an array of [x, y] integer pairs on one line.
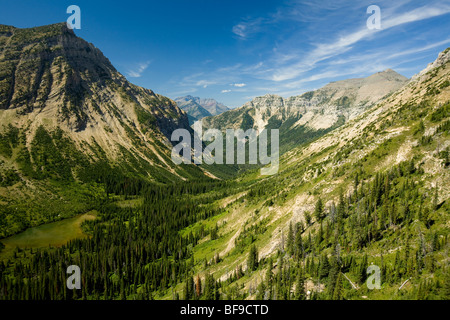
{"points": [[239, 85], [416, 50], [226, 91], [136, 73], [344, 43], [205, 83], [416, 15], [246, 28]]}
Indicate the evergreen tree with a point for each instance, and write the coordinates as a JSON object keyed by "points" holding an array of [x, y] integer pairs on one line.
{"points": [[261, 291], [318, 210], [324, 267], [210, 284], [446, 289], [290, 240], [338, 293], [269, 278], [298, 246], [189, 288], [252, 261], [198, 287], [436, 198], [300, 293]]}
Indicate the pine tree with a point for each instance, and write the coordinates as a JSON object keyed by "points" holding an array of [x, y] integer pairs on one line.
{"points": [[261, 291], [338, 293], [362, 270], [298, 246], [252, 261], [446, 290], [324, 267], [436, 198], [269, 278], [332, 279], [318, 210], [189, 288], [307, 216], [209, 287], [300, 286], [290, 239]]}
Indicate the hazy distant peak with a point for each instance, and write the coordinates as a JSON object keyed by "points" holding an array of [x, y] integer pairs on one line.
{"points": [[198, 108]]}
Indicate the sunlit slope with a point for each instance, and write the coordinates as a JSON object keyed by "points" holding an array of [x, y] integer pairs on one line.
{"points": [[383, 179]]}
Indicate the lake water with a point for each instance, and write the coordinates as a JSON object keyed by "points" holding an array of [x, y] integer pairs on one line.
{"points": [[51, 234]]}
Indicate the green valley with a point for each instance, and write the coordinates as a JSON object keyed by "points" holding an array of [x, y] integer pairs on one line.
{"points": [[361, 184]]}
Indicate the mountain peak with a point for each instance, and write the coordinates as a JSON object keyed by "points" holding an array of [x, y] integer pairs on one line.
{"points": [[198, 108], [442, 59], [391, 72], [51, 29]]}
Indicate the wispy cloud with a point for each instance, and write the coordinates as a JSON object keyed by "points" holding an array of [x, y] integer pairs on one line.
{"points": [[247, 27], [303, 45], [137, 72], [418, 14], [419, 49], [344, 43], [205, 83]]}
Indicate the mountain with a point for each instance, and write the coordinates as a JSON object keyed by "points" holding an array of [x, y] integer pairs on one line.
{"points": [[368, 193], [67, 115], [312, 114], [373, 191], [198, 108]]}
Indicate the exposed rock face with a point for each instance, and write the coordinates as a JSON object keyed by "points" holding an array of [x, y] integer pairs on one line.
{"points": [[441, 60], [322, 109], [50, 77]]}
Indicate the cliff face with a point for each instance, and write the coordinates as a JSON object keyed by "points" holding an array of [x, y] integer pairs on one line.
{"points": [[320, 109], [303, 118]]}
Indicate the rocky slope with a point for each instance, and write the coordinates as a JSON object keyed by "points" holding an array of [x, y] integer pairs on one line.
{"points": [[404, 138]]}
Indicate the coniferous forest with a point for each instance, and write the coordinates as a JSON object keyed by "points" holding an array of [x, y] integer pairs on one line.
{"points": [[138, 252], [95, 206]]}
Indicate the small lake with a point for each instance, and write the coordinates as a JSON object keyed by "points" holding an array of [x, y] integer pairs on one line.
{"points": [[53, 234]]}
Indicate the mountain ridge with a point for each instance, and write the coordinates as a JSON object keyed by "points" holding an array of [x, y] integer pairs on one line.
{"points": [[303, 118]]}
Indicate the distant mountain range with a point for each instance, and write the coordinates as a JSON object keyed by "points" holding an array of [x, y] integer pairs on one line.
{"points": [[303, 118], [198, 108]]}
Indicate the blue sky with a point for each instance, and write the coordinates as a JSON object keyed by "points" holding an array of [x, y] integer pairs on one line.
{"points": [[236, 50]]}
